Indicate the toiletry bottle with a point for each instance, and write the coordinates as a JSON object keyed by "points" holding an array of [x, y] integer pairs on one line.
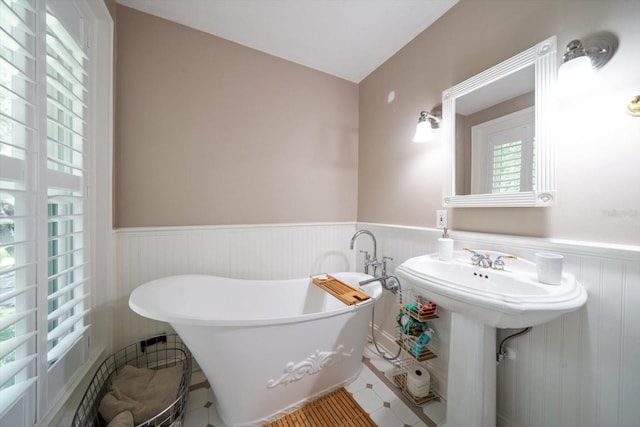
{"points": [[445, 247], [422, 342]]}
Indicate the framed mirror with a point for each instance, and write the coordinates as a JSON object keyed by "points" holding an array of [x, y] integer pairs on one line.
{"points": [[498, 129]]}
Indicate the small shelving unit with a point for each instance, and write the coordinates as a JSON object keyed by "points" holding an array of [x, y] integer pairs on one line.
{"points": [[408, 342]]}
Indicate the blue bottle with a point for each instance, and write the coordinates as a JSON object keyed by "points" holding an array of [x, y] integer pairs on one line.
{"points": [[422, 342]]}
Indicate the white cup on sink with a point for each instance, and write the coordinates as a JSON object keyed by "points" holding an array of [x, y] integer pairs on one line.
{"points": [[549, 267]]}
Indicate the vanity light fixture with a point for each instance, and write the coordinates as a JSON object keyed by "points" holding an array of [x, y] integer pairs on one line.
{"points": [[582, 59], [426, 123]]}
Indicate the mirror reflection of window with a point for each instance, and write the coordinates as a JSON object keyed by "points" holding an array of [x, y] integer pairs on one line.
{"points": [[503, 154], [469, 161], [506, 165]]}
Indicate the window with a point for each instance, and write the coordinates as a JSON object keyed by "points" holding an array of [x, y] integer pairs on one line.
{"points": [[45, 211], [504, 154], [512, 160], [506, 163]]}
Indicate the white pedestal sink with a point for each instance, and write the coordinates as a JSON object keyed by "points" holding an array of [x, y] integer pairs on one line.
{"points": [[481, 300]]}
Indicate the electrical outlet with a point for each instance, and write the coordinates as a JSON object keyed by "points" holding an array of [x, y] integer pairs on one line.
{"points": [[441, 219]]}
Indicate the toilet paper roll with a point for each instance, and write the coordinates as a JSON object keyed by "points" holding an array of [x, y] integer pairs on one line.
{"points": [[418, 381]]}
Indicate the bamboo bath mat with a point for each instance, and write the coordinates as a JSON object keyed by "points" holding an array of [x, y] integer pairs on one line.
{"points": [[335, 409]]}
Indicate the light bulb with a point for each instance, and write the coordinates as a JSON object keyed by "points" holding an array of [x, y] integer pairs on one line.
{"points": [[576, 76], [424, 133]]}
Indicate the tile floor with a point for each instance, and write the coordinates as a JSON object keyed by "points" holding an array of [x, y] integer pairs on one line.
{"points": [[379, 397]]}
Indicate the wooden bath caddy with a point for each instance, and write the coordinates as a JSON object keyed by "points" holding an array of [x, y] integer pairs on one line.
{"points": [[340, 290]]}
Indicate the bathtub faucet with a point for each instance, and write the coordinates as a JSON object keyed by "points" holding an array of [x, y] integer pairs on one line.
{"points": [[390, 283], [368, 260]]}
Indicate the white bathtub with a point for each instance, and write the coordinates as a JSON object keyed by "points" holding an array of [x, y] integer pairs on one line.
{"points": [[266, 347]]}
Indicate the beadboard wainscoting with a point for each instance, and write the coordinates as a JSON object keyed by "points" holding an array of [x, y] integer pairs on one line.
{"points": [[581, 370], [276, 251]]}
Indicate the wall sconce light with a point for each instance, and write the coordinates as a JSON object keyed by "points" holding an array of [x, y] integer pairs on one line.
{"points": [[426, 123], [582, 59]]}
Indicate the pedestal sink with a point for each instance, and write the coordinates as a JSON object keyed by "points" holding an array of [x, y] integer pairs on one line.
{"points": [[481, 300]]}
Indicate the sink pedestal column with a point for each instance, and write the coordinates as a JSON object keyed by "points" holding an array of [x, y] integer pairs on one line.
{"points": [[471, 388]]}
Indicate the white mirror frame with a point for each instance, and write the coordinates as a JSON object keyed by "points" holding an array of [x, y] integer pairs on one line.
{"points": [[543, 56]]}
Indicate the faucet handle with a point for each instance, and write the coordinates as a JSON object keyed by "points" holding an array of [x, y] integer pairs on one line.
{"points": [[499, 263], [384, 264], [367, 256]]}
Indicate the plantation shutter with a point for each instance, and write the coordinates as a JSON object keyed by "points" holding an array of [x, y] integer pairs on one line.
{"points": [[18, 198], [512, 159], [67, 186], [507, 165], [44, 229]]}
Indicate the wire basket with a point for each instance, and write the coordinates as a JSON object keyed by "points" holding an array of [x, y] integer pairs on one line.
{"points": [[161, 351]]}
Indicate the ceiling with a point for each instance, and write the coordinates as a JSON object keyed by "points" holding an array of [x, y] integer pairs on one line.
{"points": [[345, 38]]}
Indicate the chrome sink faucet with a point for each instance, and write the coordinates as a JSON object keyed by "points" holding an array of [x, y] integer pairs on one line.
{"points": [[480, 260], [368, 260], [485, 261]]}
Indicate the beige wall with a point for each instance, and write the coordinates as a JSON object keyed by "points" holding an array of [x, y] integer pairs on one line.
{"points": [[111, 7], [598, 145], [210, 132]]}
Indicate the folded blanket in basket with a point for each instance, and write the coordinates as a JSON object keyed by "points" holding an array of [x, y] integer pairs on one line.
{"points": [[123, 419], [143, 392]]}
